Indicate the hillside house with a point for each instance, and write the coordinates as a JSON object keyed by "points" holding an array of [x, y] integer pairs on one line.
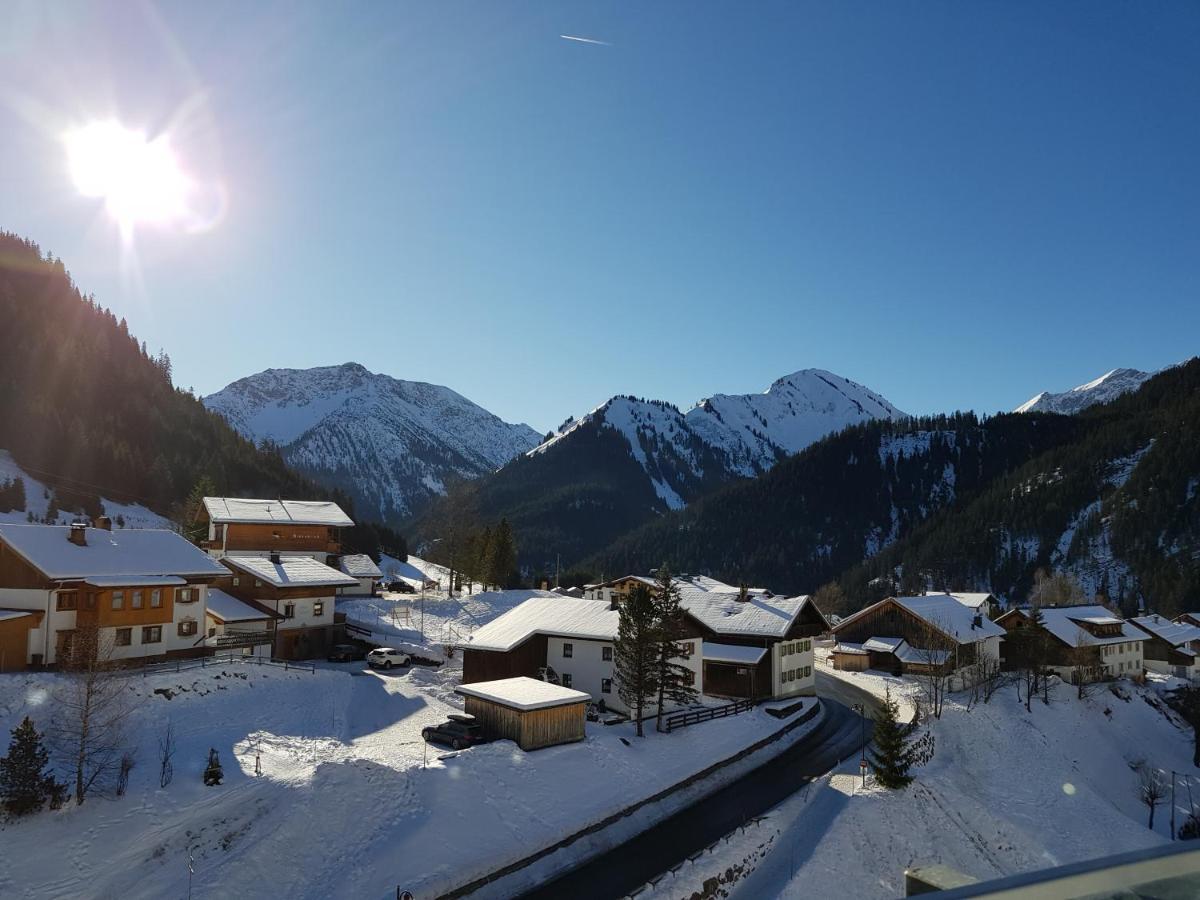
{"points": [[362, 569], [1085, 639], [986, 605], [298, 589], [567, 640], [244, 527], [911, 635], [1170, 648], [1190, 618], [144, 590], [616, 590]]}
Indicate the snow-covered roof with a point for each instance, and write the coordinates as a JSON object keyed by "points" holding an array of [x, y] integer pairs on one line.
{"points": [[733, 653], [124, 552], [1174, 633], [850, 647], [758, 616], [649, 582], [101, 581], [14, 613], [523, 693], [221, 605], [359, 565], [911, 655], [290, 571], [1064, 623], [972, 600], [267, 512], [950, 616], [554, 614], [883, 644]]}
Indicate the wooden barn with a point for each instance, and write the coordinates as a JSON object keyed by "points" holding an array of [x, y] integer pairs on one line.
{"points": [[531, 713]]}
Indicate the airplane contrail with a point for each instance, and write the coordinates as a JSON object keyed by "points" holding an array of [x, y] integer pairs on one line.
{"points": [[583, 40]]}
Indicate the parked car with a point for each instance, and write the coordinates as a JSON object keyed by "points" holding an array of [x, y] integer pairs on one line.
{"points": [[386, 658], [345, 653], [401, 587], [459, 731]]}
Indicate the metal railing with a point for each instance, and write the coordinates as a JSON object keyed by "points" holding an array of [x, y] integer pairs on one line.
{"points": [[204, 662], [696, 716]]}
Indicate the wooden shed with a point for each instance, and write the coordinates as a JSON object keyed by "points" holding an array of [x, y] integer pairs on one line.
{"points": [[851, 658], [530, 712]]}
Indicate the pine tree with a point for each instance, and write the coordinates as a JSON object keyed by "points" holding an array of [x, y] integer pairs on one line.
{"points": [[24, 783], [890, 754], [676, 682], [635, 652], [504, 551]]}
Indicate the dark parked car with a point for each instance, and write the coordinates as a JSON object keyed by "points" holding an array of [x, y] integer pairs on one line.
{"points": [[345, 653], [401, 587], [457, 733]]}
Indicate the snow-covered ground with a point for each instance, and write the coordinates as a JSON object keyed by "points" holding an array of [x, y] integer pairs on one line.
{"points": [[349, 804], [37, 501], [1007, 791]]}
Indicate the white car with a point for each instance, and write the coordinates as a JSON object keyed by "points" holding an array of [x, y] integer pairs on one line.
{"points": [[386, 657]]}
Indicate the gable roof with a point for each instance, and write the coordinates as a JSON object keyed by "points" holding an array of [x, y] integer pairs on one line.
{"points": [[715, 605], [942, 612], [270, 512], [551, 614], [359, 565], [1063, 622], [523, 693], [1174, 633], [290, 571], [972, 600], [126, 552]]}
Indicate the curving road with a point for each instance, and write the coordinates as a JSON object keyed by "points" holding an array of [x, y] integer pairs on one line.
{"points": [[631, 864]]}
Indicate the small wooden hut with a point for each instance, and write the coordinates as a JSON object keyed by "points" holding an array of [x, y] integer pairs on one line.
{"points": [[530, 712]]}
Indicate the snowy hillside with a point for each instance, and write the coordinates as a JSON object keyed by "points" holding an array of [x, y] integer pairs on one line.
{"points": [[37, 503], [728, 436], [1107, 387], [390, 444]]}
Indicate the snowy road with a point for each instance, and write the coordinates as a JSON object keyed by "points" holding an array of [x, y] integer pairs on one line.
{"points": [[631, 864]]}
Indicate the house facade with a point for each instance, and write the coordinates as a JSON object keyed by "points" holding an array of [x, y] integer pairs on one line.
{"points": [[1170, 648], [1089, 642], [244, 627], [142, 591], [363, 570], [247, 527], [912, 635]]}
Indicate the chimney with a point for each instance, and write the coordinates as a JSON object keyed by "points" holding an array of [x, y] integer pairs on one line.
{"points": [[103, 522], [275, 557], [77, 534]]}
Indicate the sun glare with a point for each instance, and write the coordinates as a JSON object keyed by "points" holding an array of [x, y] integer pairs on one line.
{"points": [[139, 180]]}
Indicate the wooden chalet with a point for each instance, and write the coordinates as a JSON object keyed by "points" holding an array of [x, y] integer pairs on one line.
{"points": [[237, 525], [1088, 639], [1170, 648], [140, 591], [913, 634]]}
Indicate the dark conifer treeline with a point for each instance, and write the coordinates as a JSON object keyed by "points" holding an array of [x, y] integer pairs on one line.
{"points": [[88, 410]]}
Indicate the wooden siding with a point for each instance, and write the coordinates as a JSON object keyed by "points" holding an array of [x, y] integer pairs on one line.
{"points": [[14, 642], [490, 665], [529, 729], [101, 612], [15, 572], [722, 679], [281, 536], [851, 662]]}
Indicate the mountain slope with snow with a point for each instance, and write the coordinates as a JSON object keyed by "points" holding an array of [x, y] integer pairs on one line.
{"points": [[392, 445], [1107, 387]]}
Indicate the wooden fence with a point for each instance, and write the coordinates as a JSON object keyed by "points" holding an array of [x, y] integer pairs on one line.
{"points": [[696, 716]]}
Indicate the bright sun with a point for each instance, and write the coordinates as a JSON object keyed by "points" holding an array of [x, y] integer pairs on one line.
{"points": [[139, 180]]}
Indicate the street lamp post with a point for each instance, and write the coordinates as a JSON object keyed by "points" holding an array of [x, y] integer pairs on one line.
{"points": [[862, 715]]}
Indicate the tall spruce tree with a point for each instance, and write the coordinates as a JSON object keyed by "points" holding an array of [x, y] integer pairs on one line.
{"points": [[504, 556], [891, 756], [24, 782], [635, 652], [676, 682]]}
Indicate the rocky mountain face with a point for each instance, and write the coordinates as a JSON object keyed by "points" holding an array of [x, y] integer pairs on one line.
{"points": [[1107, 387], [392, 445]]}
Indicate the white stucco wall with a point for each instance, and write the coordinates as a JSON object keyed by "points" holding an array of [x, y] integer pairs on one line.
{"points": [[587, 668], [304, 616], [794, 657]]}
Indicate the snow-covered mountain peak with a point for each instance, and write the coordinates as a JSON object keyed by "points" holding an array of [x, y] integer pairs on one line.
{"points": [[1107, 387], [392, 444]]}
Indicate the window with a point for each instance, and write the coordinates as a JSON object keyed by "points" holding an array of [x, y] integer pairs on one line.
{"points": [[289, 610], [807, 646], [808, 671], [187, 595], [687, 649], [568, 651], [124, 637], [118, 600], [742, 671], [236, 581], [606, 654], [789, 675], [318, 607], [135, 600], [691, 676], [566, 680], [187, 628], [606, 685], [212, 632], [152, 634], [156, 598], [89, 600], [67, 600], [257, 583]]}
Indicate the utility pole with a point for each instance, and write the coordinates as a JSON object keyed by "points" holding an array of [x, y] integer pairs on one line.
{"points": [[1172, 804], [862, 715]]}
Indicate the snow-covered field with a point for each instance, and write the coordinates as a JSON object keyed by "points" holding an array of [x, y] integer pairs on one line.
{"points": [[1007, 791], [349, 803]]}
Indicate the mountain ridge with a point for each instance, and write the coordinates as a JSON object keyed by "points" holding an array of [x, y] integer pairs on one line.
{"points": [[1107, 387]]}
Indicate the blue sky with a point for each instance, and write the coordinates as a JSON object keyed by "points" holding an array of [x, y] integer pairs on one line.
{"points": [[956, 204]]}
